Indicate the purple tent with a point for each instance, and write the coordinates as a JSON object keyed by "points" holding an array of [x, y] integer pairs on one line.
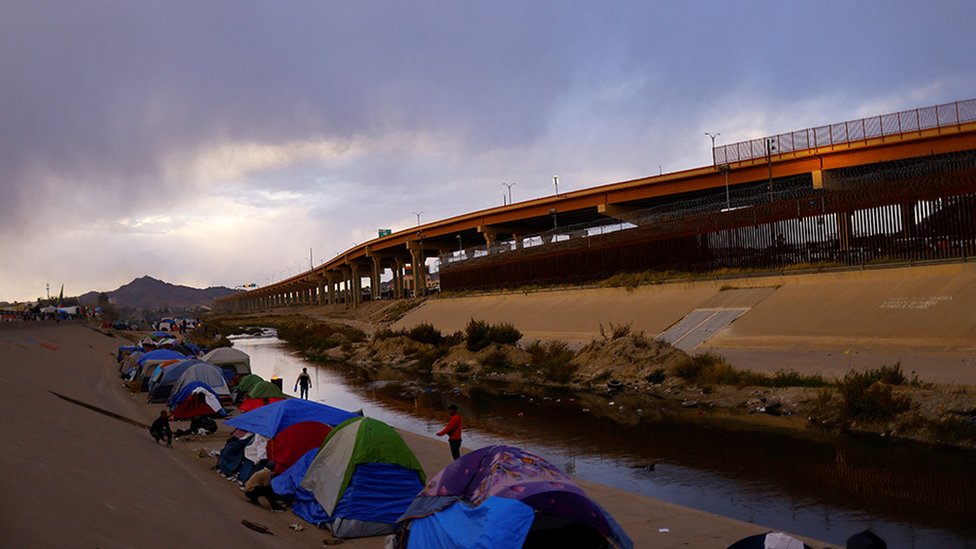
{"points": [[561, 507]]}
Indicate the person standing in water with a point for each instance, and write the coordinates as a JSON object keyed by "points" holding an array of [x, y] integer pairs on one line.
{"points": [[305, 381]]}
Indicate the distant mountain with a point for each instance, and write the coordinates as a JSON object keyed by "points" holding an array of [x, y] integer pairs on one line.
{"points": [[147, 293]]}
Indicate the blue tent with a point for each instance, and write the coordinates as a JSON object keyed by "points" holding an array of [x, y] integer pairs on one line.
{"points": [[269, 420], [497, 522], [160, 354]]}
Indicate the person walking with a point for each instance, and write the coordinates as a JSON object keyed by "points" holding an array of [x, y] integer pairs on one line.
{"points": [[453, 431], [305, 381]]}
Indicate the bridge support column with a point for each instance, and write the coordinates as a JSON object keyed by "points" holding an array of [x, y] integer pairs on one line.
{"points": [[398, 278], [418, 267], [375, 278], [357, 284]]}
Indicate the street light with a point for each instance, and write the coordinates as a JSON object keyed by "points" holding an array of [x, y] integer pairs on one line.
{"points": [[555, 181], [418, 216], [509, 185], [713, 136], [460, 246]]}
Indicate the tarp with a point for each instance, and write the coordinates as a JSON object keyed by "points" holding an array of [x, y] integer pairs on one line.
{"points": [[270, 419], [364, 477], [513, 473], [294, 426], [497, 522]]}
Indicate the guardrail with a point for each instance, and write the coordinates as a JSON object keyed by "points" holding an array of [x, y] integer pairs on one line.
{"points": [[903, 122]]}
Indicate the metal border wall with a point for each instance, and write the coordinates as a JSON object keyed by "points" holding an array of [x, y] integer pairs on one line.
{"points": [[938, 116]]}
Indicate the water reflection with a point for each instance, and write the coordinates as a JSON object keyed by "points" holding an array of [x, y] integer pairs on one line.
{"points": [[828, 489]]}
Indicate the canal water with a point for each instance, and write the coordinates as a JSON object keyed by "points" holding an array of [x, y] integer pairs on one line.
{"points": [[827, 488]]}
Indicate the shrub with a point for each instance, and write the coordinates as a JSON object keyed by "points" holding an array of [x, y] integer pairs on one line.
{"points": [[496, 361], [476, 334], [866, 396], [656, 377], [425, 333], [504, 334], [553, 359], [387, 333], [616, 332]]}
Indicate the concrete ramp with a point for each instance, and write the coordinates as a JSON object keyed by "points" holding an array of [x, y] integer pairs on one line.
{"points": [[699, 325]]}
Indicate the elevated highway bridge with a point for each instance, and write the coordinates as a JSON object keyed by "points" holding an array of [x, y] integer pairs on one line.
{"points": [[812, 156]]}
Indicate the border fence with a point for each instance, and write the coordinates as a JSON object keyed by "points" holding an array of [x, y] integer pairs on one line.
{"points": [[938, 116], [916, 209]]}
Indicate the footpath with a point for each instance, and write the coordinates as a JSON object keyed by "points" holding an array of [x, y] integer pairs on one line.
{"points": [[84, 472]]}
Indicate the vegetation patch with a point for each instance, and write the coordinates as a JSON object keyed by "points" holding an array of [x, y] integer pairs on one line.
{"points": [[553, 359]]}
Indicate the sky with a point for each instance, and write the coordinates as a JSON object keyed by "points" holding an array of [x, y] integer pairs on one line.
{"points": [[215, 143]]}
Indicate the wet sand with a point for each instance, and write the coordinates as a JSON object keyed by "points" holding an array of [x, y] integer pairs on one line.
{"points": [[83, 478]]}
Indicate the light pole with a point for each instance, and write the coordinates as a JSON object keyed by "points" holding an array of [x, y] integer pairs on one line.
{"points": [[555, 181], [713, 136], [770, 147], [418, 216], [509, 185]]}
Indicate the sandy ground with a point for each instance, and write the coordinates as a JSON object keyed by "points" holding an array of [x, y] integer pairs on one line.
{"points": [[81, 478]]}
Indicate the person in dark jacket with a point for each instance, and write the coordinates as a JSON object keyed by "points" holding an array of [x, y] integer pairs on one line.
{"points": [[160, 429]]}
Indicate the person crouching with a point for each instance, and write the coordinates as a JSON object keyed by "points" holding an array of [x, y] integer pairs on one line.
{"points": [[260, 485], [160, 429]]}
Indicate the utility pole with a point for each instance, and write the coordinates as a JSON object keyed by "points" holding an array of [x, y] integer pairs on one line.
{"points": [[310, 264]]}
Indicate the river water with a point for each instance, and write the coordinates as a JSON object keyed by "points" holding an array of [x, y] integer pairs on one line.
{"points": [[827, 488]]}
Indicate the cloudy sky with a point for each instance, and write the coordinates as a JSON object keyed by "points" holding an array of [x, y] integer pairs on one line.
{"points": [[214, 143]]}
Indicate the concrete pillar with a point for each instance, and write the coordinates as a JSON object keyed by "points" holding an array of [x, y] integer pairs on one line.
{"points": [[375, 278], [397, 278], [321, 290], [355, 281], [418, 267], [332, 290], [817, 176], [490, 236]]}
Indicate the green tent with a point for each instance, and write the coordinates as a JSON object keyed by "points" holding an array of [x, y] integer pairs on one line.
{"points": [[264, 389], [248, 381], [364, 477]]}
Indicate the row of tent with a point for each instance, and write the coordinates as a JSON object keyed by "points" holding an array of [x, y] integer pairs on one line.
{"points": [[356, 476], [191, 386]]}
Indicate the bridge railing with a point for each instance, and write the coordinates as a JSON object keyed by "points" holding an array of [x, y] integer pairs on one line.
{"points": [[938, 116]]}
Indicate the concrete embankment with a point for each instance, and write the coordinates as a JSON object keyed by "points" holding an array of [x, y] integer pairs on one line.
{"points": [[826, 323], [80, 478]]}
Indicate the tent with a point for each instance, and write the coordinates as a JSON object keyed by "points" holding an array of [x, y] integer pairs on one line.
{"points": [[159, 354], [245, 383], [294, 426], [196, 399], [363, 478], [229, 357], [502, 496], [204, 373], [261, 394], [167, 374]]}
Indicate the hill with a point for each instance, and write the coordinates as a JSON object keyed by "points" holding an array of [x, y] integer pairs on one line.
{"points": [[148, 293]]}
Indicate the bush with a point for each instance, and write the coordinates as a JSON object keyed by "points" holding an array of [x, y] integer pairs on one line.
{"points": [[476, 334], [867, 396], [496, 361], [553, 360], [656, 377], [387, 333], [504, 334], [425, 333], [480, 334]]}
